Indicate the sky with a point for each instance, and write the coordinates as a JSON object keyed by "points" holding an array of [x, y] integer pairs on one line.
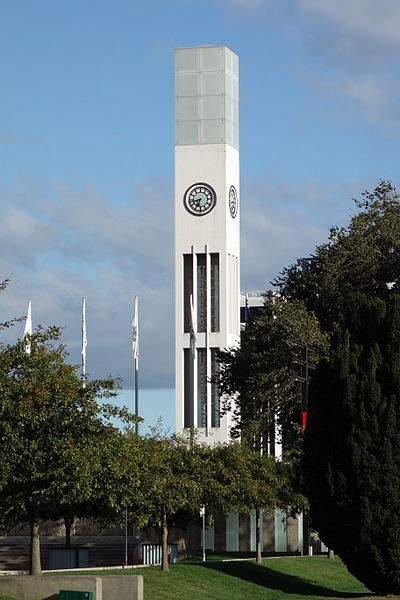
{"points": [[87, 155]]}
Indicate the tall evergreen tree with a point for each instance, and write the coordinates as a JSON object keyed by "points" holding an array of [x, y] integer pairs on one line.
{"points": [[352, 443]]}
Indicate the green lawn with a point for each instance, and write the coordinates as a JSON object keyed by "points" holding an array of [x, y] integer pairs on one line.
{"points": [[286, 578]]}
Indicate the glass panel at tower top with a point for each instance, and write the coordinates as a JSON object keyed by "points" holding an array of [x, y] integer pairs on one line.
{"points": [[206, 96]]}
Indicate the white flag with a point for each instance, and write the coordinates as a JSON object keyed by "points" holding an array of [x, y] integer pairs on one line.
{"points": [[135, 330], [192, 329], [84, 339], [28, 328]]}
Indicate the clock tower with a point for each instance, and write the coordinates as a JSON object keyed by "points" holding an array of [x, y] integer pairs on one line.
{"points": [[207, 231]]}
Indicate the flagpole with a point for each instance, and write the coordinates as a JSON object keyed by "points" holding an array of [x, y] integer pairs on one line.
{"points": [[136, 394], [84, 342], [135, 353]]}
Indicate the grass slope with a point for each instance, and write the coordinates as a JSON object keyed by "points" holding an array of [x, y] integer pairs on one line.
{"points": [[276, 579], [284, 578]]}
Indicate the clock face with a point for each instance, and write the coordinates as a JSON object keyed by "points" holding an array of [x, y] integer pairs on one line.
{"points": [[233, 201], [199, 199]]}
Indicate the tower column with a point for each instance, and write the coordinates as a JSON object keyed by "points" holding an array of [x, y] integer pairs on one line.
{"points": [[207, 229]]}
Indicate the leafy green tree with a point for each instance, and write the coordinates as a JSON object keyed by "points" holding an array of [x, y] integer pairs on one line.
{"points": [[48, 423], [172, 479], [108, 467], [257, 379], [119, 467], [243, 480], [352, 443], [362, 257], [177, 476]]}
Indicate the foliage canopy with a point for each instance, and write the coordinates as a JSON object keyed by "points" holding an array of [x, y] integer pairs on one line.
{"points": [[352, 443], [51, 428], [257, 378], [362, 257]]}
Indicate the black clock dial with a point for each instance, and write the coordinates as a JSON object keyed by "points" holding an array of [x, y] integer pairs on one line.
{"points": [[233, 201], [199, 199]]}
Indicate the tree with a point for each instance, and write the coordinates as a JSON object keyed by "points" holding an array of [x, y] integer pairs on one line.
{"points": [[257, 379], [104, 476], [364, 256], [48, 423], [352, 443], [174, 475], [244, 480]]}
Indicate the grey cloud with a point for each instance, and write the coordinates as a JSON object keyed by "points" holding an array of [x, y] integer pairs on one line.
{"points": [[281, 223], [346, 51], [74, 244], [359, 42], [371, 22]]}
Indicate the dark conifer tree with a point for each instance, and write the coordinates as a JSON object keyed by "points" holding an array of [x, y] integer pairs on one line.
{"points": [[352, 443]]}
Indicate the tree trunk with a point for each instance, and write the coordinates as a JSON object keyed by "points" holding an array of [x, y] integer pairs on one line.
{"points": [[164, 539], [68, 522], [331, 554], [258, 536], [35, 566]]}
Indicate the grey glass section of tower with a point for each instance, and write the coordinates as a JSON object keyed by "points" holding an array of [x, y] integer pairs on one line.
{"points": [[206, 96]]}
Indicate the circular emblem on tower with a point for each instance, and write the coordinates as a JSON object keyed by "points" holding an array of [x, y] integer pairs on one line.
{"points": [[233, 201], [199, 199]]}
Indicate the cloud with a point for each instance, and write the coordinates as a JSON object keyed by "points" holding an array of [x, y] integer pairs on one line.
{"points": [[75, 243], [348, 52], [282, 222], [357, 45], [367, 22]]}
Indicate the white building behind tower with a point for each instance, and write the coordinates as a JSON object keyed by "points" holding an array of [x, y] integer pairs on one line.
{"points": [[207, 230]]}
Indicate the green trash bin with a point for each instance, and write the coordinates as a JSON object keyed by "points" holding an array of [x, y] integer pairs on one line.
{"points": [[75, 595]]}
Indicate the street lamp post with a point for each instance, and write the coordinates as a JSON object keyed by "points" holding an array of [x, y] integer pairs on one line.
{"points": [[203, 515], [125, 514]]}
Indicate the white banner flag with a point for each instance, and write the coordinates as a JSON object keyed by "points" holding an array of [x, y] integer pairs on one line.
{"points": [[135, 330], [28, 327]]}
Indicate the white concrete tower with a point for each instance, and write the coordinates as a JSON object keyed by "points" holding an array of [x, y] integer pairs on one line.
{"points": [[207, 230]]}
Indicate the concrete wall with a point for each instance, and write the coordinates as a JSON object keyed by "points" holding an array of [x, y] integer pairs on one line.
{"points": [[292, 535], [268, 533], [129, 587], [244, 532], [219, 533], [47, 588]]}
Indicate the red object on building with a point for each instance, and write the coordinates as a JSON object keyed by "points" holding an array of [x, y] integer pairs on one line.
{"points": [[304, 420]]}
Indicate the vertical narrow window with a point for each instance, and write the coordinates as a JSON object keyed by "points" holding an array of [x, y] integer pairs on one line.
{"points": [[188, 379], [231, 292], [236, 328], [187, 289], [214, 292], [201, 293], [202, 387], [215, 404]]}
